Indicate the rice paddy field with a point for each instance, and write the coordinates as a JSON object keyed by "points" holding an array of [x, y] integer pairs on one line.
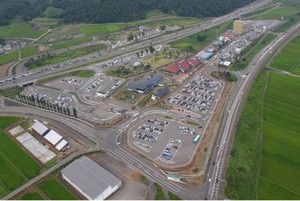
{"points": [[50, 188], [288, 58], [265, 162], [16, 166]]}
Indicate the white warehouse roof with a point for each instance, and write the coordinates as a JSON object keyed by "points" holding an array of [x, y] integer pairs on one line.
{"points": [[90, 179], [61, 145], [53, 137], [39, 127]]}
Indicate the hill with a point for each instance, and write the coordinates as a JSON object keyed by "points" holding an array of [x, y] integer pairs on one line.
{"points": [[106, 11]]}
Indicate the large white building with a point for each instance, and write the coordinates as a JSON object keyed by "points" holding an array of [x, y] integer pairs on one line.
{"points": [[90, 179]]}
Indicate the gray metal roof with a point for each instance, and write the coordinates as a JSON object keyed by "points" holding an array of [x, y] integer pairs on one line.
{"points": [[91, 178]]}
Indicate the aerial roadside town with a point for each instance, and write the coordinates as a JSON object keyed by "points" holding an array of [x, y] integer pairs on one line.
{"points": [[136, 119]]}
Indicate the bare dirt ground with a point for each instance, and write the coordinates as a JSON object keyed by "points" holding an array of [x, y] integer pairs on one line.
{"points": [[133, 188], [5, 68]]}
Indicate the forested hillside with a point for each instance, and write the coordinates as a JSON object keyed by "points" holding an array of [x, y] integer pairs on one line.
{"points": [[102, 11]]}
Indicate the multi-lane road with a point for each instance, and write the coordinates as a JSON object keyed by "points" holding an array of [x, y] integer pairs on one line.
{"points": [[163, 39], [110, 139], [220, 155]]}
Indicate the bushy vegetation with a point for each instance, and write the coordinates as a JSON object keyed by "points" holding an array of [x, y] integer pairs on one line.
{"points": [[106, 11]]}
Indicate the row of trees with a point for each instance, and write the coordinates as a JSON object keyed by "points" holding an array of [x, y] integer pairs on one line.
{"points": [[45, 104], [104, 11]]}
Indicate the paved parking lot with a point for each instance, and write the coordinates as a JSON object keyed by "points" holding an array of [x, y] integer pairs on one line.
{"points": [[99, 86], [165, 141], [96, 112], [198, 96]]}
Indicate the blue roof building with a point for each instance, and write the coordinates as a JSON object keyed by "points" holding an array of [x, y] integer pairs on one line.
{"points": [[145, 86]]}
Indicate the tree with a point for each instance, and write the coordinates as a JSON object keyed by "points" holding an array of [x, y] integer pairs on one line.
{"points": [[201, 38], [130, 37], [2, 41], [151, 49], [75, 112], [163, 27]]}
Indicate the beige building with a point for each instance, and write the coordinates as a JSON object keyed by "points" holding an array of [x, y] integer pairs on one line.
{"points": [[239, 27]]}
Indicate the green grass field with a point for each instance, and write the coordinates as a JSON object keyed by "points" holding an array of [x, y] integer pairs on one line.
{"points": [[31, 196], [58, 58], [70, 43], [16, 166], [28, 51], [265, 161], [20, 30], [55, 190], [249, 52], [288, 58], [6, 121], [102, 29], [278, 13], [192, 44], [9, 57], [159, 193]]}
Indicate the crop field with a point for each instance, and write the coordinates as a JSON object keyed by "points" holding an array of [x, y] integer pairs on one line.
{"points": [[196, 42], [70, 43], [20, 30], [16, 166], [102, 29], [9, 57], [249, 52], [265, 161], [55, 190], [50, 188], [288, 58], [34, 195], [98, 29], [6, 121], [28, 51], [278, 13], [58, 58]]}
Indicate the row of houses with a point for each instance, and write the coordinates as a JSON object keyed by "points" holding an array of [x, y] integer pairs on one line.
{"points": [[51, 136]]}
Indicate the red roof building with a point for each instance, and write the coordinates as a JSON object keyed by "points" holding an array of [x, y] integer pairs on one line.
{"points": [[184, 66], [194, 62], [172, 68]]}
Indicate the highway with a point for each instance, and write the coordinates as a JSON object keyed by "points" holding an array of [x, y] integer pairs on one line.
{"points": [[105, 55], [217, 168], [109, 139]]}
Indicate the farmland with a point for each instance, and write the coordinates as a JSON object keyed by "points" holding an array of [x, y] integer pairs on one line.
{"points": [[57, 58], [267, 144], [70, 43], [20, 30], [16, 166], [197, 41], [288, 57], [278, 13], [9, 57], [102, 29], [55, 190], [48, 189], [28, 51]]}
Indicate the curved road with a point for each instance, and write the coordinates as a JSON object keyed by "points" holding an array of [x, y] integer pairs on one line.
{"points": [[220, 155]]}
